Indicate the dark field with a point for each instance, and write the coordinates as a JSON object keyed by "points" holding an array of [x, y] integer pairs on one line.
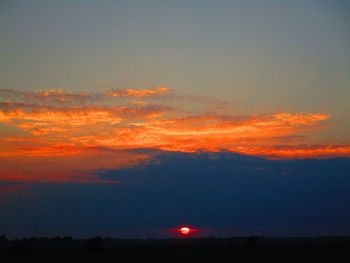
{"points": [[242, 249]]}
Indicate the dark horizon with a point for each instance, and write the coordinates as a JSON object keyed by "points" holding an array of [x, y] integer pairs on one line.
{"points": [[249, 249]]}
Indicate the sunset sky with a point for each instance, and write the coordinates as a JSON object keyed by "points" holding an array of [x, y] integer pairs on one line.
{"points": [[118, 110]]}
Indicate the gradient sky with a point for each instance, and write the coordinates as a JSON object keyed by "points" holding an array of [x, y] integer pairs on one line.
{"points": [[91, 90]]}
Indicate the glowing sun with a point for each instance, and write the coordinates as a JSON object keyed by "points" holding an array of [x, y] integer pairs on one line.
{"points": [[184, 230]]}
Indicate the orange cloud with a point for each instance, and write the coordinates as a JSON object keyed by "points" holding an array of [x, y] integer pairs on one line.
{"points": [[190, 134], [60, 96], [217, 132], [325, 150], [137, 93], [61, 137], [40, 120], [258, 135], [51, 95]]}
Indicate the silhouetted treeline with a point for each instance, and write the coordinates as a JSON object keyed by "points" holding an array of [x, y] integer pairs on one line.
{"points": [[211, 249]]}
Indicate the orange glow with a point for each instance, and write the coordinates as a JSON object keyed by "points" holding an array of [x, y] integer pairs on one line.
{"points": [[44, 119], [255, 135], [326, 150], [208, 133], [63, 163], [99, 136]]}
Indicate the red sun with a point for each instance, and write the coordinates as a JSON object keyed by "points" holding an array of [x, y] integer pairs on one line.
{"points": [[185, 230]]}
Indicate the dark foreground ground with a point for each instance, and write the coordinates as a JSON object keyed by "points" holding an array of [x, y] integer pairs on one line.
{"points": [[243, 249]]}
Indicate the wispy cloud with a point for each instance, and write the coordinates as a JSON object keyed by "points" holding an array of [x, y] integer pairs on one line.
{"points": [[61, 130], [42, 119], [137, 93], [52, 95], [294, 151]]}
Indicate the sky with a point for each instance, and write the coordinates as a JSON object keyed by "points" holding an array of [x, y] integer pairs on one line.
{"points": [[128, 118]]}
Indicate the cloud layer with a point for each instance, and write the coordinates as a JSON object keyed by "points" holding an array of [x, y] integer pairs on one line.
{"points": [[51, 128]]}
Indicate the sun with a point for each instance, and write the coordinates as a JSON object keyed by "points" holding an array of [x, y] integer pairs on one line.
{"points": [[185, 230]]}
